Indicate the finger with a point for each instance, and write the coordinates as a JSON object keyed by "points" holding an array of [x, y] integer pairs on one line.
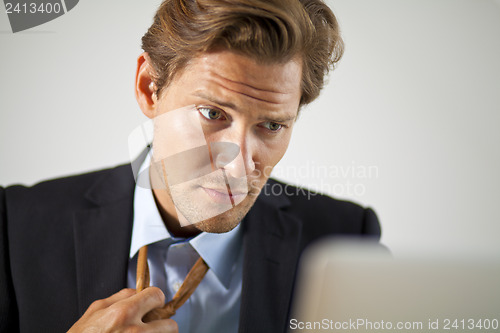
{"points": [[106, 302], [147, 300], [121, 295], [164, 325]]}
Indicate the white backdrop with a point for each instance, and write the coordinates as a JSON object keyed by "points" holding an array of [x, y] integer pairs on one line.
{"points": [[408, 123]]}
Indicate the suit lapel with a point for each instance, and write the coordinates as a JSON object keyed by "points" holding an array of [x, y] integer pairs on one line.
{"points": [[271, 245], [102, 237]]}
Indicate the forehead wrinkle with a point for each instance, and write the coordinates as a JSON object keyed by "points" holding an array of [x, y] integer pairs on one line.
{"points": [[262, 99], [263, 95], [245, 84], [253, 97]]}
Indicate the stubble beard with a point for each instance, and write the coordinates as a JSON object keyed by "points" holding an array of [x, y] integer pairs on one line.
{"points": [[221, 223], [196, 216], [228, 220]]}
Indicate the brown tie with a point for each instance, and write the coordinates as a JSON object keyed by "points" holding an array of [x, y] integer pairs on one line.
{"points": [[187, 288]]}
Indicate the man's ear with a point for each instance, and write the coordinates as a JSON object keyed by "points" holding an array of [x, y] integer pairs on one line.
{"points": [[145, 89]]}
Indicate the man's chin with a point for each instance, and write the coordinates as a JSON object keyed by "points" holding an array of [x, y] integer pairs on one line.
{"points": [[216, 225]]}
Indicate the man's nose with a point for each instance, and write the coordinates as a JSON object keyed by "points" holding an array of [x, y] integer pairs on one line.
{"points": [[234, 155]]}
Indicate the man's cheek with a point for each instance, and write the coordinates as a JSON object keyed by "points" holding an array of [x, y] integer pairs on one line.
{"points": [[257, 173], [255, 186], [268, 169]]}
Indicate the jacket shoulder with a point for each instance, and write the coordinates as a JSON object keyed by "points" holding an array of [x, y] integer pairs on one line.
{"points": [[64, 193], [323, 214]]}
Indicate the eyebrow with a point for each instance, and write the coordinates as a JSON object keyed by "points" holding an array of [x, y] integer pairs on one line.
{"points": [[214, 100], [233, 106], [278, 120]]}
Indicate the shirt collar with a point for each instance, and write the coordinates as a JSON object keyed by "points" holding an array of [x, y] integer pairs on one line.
{"points": [[148, 225], [220, 251]]}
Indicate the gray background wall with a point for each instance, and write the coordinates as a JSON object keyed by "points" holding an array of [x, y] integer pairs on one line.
{"points": [[408, 123]]}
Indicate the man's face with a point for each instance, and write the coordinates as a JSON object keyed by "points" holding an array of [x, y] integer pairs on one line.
{"points": [[245, 113]]}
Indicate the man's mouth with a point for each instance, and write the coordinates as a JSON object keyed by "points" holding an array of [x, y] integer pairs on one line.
{"points": [[223, 195]]}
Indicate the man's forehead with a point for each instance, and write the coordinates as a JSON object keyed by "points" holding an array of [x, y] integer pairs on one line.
{"points": [[233, 68]]}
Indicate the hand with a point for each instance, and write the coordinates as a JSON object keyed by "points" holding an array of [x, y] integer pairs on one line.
{"points": [[123, 312]]}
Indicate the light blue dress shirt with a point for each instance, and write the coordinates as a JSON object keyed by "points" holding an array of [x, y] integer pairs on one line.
{"points": [[215, 304]]}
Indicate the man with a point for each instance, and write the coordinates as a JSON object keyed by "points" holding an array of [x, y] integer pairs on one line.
{"points": [[223, 82]]}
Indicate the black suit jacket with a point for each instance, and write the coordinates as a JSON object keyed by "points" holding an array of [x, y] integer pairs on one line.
{"points": [[65, 243]]}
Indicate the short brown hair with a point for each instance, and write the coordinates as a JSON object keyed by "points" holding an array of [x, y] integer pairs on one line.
{"points": [[269, 31]]}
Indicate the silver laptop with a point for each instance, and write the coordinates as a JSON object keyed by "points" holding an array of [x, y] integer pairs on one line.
{"points": [[359, 287]]}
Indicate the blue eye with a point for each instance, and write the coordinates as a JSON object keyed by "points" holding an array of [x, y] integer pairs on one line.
{"points": [[211, 114], [272, 126]]}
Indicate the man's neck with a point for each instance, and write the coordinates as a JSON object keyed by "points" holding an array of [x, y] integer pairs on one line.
{"points": [[171, 221]]}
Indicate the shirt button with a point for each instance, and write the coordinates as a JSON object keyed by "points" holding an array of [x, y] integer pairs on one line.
{"points": [[177, 285]]}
